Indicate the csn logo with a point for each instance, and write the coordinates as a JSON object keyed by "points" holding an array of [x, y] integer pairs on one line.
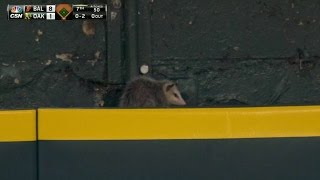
{"points": [[16, 9], [16, 12]]}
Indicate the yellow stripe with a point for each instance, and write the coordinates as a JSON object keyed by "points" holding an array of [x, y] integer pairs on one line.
{"points": [[195, 123], [17, 125]]}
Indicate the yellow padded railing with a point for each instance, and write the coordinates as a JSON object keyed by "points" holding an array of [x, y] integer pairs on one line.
{"points": [[189, 123], [17, 125]]}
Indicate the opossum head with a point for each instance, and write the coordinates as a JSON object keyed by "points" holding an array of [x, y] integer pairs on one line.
{"points": [[172, 94]]}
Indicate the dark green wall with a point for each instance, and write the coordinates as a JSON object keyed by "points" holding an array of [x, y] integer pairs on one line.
{"points": [[263, 52], [238, 159], [18, 160]]}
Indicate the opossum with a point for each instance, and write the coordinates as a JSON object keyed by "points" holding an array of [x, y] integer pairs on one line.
{"points": [[147, 92]]}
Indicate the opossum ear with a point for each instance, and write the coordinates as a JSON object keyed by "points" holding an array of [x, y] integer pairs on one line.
{"points": [[169, 86]]}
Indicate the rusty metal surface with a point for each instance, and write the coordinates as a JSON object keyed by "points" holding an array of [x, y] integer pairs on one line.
{"points": [[261, 28], [238, 53]]}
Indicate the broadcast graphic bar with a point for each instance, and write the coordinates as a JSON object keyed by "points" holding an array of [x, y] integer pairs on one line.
{"points": [[57, 12]]}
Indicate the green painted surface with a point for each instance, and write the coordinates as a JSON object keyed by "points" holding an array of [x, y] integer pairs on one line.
{"points": [[241, 159], [18, 161]]}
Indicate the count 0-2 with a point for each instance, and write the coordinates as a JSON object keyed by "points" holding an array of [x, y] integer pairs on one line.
{"points": [[77, 16]]}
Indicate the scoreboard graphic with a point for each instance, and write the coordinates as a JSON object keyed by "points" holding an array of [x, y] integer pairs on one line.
{"points": [[57, 12]]}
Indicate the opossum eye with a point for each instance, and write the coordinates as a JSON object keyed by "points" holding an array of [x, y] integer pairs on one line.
{"points": [[176, 95]]}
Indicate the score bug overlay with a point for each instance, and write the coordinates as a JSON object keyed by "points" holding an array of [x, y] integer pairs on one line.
{"points": [[57, 12]]}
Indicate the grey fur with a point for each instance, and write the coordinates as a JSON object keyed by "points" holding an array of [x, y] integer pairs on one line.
{"points": [[144, 92]]}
